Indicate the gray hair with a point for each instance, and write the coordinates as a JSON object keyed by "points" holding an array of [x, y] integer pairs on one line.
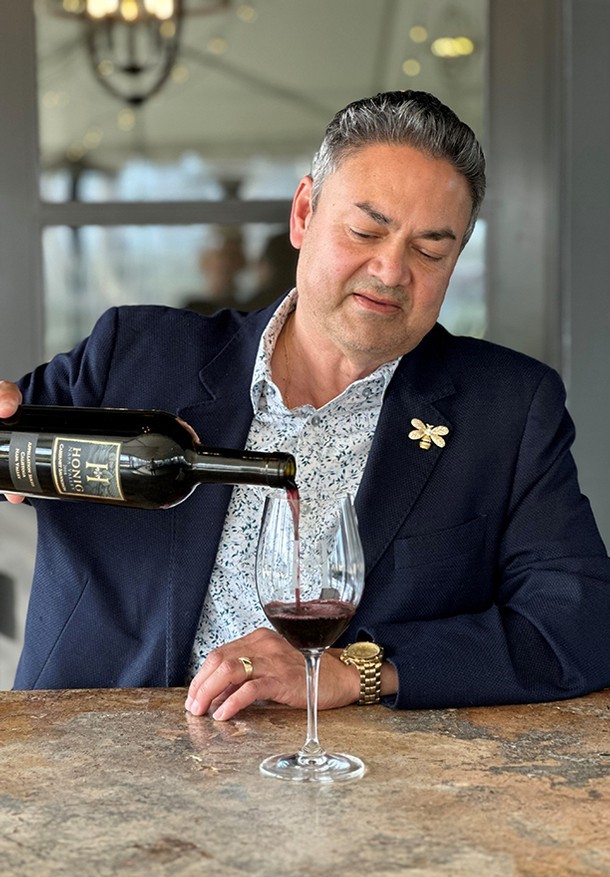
{"points": [[410, 118]]}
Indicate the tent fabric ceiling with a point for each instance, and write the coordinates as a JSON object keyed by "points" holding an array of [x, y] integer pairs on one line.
{"points": [[273, 89]]}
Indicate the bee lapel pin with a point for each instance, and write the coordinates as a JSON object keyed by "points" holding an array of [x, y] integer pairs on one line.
{"points": [[427, 434]]}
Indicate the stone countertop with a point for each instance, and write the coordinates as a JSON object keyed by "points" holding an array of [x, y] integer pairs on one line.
{"points": [[124, 782]]}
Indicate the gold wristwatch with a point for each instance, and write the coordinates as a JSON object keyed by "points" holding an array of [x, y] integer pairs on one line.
{"points": [[367, 657]]}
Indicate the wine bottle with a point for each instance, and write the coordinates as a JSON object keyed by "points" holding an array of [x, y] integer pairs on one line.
{"points": [[126, 457]]}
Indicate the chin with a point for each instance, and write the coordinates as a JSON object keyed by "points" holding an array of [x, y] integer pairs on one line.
{"points": [[376, 352]]}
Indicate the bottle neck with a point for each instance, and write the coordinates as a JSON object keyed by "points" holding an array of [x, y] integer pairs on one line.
{"points": [[222, 466]]}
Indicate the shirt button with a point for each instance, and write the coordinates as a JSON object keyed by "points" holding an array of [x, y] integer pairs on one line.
{"points": [[315, 420]]}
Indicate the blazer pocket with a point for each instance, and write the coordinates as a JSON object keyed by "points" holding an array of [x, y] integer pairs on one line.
{"points": [[443, 546]]}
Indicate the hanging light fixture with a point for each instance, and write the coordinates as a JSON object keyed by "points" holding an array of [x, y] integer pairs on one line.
{"points": [[133, 44]]}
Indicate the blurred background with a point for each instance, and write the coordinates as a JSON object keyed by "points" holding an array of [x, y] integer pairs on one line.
{"points": [[247, 93], [149, 150]]}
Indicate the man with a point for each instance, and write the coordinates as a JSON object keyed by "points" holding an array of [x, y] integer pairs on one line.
{"points": [[487, 581]]}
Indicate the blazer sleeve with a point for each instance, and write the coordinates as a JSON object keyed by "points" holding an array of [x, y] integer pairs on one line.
{"points": [[544, 636], [78, 377]]}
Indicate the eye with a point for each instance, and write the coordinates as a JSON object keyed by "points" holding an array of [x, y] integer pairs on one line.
{"points": [[362, 235], [431, 257]]}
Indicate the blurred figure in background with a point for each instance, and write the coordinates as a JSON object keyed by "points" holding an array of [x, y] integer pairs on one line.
{"points": [[220, 267], [274, 273], [275, 270]]}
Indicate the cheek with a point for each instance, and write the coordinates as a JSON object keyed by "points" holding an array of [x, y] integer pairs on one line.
{"points": [[434, 282], [327, 257], [344, 261], [322, 259], [432, 299]]}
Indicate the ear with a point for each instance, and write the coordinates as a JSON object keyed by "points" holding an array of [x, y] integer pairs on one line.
{"points": [[301, 211]]}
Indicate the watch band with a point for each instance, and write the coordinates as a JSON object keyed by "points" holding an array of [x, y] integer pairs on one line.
{"points": [[370, 683], [367, 657]]}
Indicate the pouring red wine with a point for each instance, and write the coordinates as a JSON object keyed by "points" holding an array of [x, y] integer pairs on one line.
{"points": [[310, 577]]}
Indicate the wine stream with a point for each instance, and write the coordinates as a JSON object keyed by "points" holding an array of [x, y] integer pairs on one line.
{"points": [[294, 501]]}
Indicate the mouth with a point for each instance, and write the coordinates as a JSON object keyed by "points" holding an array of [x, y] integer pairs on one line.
{"points": [[376, 304]]}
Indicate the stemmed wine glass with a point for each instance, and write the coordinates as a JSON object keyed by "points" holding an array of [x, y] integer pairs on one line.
{"points": [[310, 576]]}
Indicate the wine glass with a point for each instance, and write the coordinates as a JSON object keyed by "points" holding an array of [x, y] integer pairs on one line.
{"points": [[310, 576]]}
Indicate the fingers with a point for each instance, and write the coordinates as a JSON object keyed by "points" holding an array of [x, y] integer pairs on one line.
{"points": [[14, 498], [215, 683], [241, 697], [224, 686], [189, 429], [10, 398]]}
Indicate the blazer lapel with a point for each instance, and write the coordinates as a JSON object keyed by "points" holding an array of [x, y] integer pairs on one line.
{"points": [[221, 417], [222, 413], [398, 469]]}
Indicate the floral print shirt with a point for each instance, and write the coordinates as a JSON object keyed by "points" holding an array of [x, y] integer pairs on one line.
{"points": [[331, 446]]}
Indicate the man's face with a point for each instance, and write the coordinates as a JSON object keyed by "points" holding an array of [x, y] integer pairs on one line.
{"points": [[377, 253]]}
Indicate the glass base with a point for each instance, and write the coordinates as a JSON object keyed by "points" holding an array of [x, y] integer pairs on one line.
{"points": [[326, 768]]}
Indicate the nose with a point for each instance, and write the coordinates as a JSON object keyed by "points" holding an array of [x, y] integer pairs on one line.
{"points": [[390, 264]]}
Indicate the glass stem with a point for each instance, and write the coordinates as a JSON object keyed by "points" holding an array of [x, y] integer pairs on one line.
{"points": [[311, 751]]}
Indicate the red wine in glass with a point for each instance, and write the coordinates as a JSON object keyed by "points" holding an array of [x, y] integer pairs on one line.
{"points": [[313, 624]]}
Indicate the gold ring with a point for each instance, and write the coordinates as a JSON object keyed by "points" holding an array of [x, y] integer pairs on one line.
{"points": [[248, 666]]}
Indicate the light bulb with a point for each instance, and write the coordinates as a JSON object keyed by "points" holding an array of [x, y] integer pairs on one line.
{"points": [[129, 10], [101, 8], [161, 9]]}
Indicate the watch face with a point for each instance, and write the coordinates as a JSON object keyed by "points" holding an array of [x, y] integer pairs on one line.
{"points": [[364, 651]]}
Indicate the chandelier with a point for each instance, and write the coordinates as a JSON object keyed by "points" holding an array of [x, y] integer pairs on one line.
{"points": [[132, 45]]}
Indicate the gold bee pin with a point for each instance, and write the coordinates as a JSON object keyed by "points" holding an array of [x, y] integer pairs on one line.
{"points": [[427, 434]]}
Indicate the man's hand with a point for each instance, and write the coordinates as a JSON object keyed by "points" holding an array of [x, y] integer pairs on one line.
{"points": [[278, 673], [10, 400]]}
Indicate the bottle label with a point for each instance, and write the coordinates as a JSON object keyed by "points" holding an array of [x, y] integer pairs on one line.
{"points": [[83, 467], [22, 463]]}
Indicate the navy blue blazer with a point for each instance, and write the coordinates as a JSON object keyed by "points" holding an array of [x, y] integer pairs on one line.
{"points": [[487, 581]]}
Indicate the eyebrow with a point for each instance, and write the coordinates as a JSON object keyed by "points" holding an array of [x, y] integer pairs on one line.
{"points": [[376, 215], [432, 234]]}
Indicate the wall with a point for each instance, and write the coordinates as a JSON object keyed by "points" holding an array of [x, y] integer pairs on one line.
{"points": [[20, 248], [18, 529], [585, 247], [549, 207], [20, 295]]}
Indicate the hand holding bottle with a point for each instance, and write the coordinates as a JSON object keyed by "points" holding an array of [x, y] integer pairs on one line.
{"points": [[10, 400], [133, 458]]}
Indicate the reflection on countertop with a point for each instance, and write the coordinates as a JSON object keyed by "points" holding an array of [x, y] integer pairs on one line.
{"points": [[125, 782]]}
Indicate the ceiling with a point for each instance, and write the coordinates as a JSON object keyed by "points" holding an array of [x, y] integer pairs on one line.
{"points": [[271, 90]]}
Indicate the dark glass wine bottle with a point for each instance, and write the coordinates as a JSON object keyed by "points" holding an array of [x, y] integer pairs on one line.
{"points": [[142, 459]]}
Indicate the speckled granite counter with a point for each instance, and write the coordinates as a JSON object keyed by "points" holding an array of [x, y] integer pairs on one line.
{"points": [[126, 783]]}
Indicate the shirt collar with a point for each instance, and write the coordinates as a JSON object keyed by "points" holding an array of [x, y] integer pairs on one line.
{"points": [[263, 391], [262, 383]]}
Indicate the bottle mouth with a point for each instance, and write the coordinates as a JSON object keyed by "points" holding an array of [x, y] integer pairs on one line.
{"points": [[290, 471], [282, 473]]}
